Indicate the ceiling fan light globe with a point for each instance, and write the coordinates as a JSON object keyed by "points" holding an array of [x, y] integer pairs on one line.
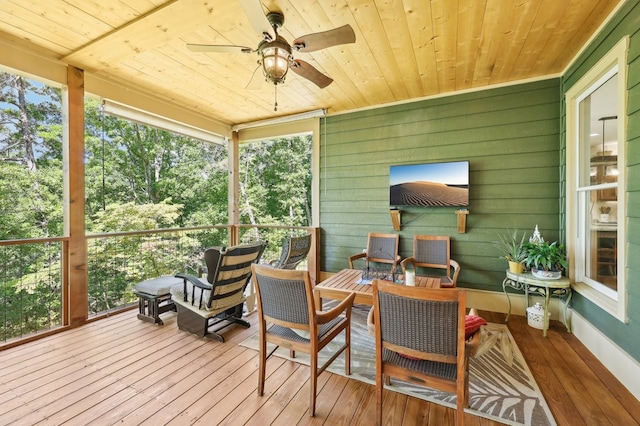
{"points": [[275, 63]]}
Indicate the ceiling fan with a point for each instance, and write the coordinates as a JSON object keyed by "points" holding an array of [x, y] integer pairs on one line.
{"points": [[275, 53]]}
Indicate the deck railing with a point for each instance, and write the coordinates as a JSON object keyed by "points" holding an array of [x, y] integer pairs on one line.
{"points": [[33, 295], [31, 286]]}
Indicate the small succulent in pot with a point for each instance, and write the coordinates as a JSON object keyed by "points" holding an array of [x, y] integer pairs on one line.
{"points": [[511, 246]]}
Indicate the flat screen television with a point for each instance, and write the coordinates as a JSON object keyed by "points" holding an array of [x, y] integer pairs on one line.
{"points": [[429, 184]]}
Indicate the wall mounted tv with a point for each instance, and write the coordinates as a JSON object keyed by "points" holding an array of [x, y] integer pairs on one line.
{"points": [[432, 184]]}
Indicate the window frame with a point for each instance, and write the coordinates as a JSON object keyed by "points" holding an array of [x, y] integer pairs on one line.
{"points": [[615, 61]]}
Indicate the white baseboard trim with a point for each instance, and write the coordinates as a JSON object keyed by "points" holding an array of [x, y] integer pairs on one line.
{"points": [[617, 361], [497, 302]]}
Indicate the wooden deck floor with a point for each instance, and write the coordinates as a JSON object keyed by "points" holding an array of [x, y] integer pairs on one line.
{"points": [[123, 371]]}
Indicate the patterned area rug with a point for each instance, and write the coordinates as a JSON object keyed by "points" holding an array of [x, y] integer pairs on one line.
{"points": [[501, 386]]}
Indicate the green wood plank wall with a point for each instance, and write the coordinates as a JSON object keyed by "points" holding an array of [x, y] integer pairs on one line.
{"points": [[510, 136], [626, 22]]}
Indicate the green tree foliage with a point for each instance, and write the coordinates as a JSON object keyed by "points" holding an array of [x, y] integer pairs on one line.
{"points": [[130, 162], [31, 158], [136, 178], [119, 262], [275, 180], [275, 187]]}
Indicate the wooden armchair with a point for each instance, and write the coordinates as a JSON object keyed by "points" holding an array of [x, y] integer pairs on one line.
{"points": [[203, 303], [286, 304], [381, 248], [420, 338], [433, 251]]}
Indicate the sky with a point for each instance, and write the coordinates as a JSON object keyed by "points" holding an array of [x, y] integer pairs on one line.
{"points": [[455, 173]]}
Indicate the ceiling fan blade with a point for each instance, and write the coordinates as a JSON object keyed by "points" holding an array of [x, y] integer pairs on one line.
{"points": [[308, 71], [317, 41], [218, 48], [257, 18]]}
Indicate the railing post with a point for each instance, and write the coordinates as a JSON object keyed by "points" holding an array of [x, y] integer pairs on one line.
{"points": [[313, 259]]}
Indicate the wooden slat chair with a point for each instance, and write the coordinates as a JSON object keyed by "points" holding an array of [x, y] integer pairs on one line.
{"points": [[294, 251], [381, 248], [288, 317], [420, 338], [203, 303], [433, 251]]}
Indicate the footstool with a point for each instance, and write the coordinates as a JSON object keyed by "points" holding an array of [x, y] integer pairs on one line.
{"points": [[154, 298]]}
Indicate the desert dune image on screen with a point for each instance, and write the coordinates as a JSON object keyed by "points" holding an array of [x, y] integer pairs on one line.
{"points": [[435, 184]]}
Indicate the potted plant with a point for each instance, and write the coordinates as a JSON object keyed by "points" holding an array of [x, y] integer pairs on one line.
{"points": [[546, 260], [511, 246]]}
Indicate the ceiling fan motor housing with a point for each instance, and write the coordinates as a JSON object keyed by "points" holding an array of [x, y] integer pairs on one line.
{"points": [[276, 19]]}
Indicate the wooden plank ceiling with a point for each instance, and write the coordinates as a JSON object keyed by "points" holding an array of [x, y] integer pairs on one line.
{"points": [[404, 49]]}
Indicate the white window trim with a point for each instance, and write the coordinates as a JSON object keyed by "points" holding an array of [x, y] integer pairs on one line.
{"points": [[616, 58]]}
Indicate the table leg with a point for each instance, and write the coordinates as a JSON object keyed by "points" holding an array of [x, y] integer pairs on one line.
{"points": [[504, 289], [545, 320], [567, 299]]}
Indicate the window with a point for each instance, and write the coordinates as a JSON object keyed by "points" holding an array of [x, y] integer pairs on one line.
{"points": [[596, 127]]}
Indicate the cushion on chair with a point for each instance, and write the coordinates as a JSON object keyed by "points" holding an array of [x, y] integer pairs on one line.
{"points": [[218, 305], [157, 286], [472, 323]]}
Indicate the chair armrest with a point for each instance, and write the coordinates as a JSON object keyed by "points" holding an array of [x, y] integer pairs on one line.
{"points": [[195, 281], [397, 261], [406, 262], [324, 317], [354, 257], [456, 271], [471, 345]]}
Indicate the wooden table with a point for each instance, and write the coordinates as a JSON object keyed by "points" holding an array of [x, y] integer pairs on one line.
{"points": [[339, 285]]}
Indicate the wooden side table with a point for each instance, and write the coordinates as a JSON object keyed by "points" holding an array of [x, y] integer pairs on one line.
{"points": [[546, 288]]}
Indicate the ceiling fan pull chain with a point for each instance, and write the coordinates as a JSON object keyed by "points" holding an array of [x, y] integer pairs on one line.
{"points": [[275, 104]]}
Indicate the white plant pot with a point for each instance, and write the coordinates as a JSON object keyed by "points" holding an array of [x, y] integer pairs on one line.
{"points": [[546, 275]]}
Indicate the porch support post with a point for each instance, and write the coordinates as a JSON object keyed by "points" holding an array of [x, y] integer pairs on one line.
{"points": [[75, 200], [233, 150]]}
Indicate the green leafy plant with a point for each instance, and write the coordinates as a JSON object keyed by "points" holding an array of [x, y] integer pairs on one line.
{"points": [[545, 256], [511, 246]]}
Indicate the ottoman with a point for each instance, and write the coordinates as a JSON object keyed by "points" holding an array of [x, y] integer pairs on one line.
{"points": [[154, 298]]}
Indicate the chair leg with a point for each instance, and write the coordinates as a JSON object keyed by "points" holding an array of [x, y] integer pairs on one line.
{"points": [[460, 403], [263, 365], [347, 364], [313, 381], [379, 387]]}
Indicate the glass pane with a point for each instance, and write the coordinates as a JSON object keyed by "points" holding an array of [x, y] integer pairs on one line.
{"points": [[601, 263], [603, 138], [598, 168]]}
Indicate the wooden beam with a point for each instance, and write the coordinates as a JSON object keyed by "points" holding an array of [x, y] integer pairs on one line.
{"points": [[75, 196]]}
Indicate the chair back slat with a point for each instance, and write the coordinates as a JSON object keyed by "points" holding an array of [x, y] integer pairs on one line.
{"points": [[294, 251], [381, 248], [229, 271], [284, 300], [422, 325], [432, 251]]}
